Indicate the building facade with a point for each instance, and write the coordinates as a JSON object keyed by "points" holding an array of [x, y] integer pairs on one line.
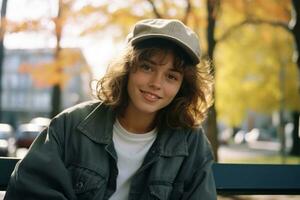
{"points": [[22, 100]]}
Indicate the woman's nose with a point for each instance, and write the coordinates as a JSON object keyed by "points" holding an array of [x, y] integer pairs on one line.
{"points": [[155, 81]]}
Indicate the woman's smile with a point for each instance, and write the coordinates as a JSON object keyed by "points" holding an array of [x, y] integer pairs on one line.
{"points": [[149, 96]]}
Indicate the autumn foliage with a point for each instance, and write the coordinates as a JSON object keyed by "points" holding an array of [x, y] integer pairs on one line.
{"points": [[254, 59]]}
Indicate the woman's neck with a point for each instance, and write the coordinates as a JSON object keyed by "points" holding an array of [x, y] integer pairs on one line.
{"points": [[137, 123]]}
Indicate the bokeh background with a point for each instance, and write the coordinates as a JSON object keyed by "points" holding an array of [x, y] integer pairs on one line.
{"points": [[51, 51]]}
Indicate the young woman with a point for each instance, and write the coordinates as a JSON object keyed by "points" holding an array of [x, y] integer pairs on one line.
{"points": [[142, 140]]}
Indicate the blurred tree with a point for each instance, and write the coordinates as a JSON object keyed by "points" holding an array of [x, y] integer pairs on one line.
{"points": [[52, 74], [2, 32], [213, 7], [296, 114], [251, 81], [118, 18], [56, 92]]}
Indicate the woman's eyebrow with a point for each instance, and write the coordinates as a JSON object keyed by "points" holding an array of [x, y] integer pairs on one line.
{"points": [[173, 69], [149, 61]]}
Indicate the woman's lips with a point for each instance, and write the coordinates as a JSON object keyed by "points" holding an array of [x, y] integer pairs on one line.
{"points": [[150, 96]]}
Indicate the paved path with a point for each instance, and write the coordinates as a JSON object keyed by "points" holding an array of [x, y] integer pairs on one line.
{"points": [[235, 152]]}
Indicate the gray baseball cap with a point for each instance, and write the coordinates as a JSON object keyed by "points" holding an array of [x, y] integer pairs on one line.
{"points": [[169, 29]]}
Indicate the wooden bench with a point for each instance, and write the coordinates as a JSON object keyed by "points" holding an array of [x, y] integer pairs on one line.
{"points": [[231, 179]]}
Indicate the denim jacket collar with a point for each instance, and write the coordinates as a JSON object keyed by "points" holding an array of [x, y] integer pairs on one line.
{"points": [[98, 126]]}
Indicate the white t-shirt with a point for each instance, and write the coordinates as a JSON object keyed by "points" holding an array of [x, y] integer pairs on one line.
{"points": [[131, 150]]}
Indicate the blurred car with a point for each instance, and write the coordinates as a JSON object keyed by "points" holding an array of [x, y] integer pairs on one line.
{"points": [[257, 134], [41, 121], [239, 137], [26, 134], [7, 140]]}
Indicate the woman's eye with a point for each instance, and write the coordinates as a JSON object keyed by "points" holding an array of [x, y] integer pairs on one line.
{"points": [[146, 67], [172, 77]]}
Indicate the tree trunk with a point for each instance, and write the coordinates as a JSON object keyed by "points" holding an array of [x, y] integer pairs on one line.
{"points": [[55, 100], [56, 90], [296, 141], [212, 130], [2, 32], [296, 32]]}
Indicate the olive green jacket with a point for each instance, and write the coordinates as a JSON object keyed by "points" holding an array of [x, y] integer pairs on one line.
{"points": [[74, 158]]}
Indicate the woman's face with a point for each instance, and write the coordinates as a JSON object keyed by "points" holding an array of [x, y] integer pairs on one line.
{"points": [[153, 85]]}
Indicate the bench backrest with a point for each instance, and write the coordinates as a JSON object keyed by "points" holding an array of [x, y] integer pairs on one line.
{"points": [[7, 165], [239, 179], [231, 179]]}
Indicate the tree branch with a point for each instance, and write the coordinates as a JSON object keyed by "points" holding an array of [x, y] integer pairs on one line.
{"points": [[253, 22], [156, 13], [187, 11]]}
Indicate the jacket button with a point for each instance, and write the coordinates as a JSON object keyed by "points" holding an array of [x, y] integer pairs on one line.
{"points": [[79, 185]]}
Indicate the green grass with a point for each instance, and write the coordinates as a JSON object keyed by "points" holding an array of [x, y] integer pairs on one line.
{"points": [[276, 159]]}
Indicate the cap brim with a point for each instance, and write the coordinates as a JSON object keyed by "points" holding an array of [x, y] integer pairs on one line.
{"points": [[180, 43]]}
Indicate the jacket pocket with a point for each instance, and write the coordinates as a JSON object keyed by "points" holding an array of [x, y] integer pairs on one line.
{"points": [[165, 191], [87, 183]]}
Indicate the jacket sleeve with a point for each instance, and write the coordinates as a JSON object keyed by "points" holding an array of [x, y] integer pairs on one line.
{"points": [[201, 184], [41, 174]]}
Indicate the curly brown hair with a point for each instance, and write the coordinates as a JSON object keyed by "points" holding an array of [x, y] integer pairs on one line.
{"points": [[189, 107]]}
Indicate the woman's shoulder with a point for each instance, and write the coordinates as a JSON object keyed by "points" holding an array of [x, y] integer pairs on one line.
{"points": [[197, 140], [82, 107], [80, 111], [195, 134]]}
